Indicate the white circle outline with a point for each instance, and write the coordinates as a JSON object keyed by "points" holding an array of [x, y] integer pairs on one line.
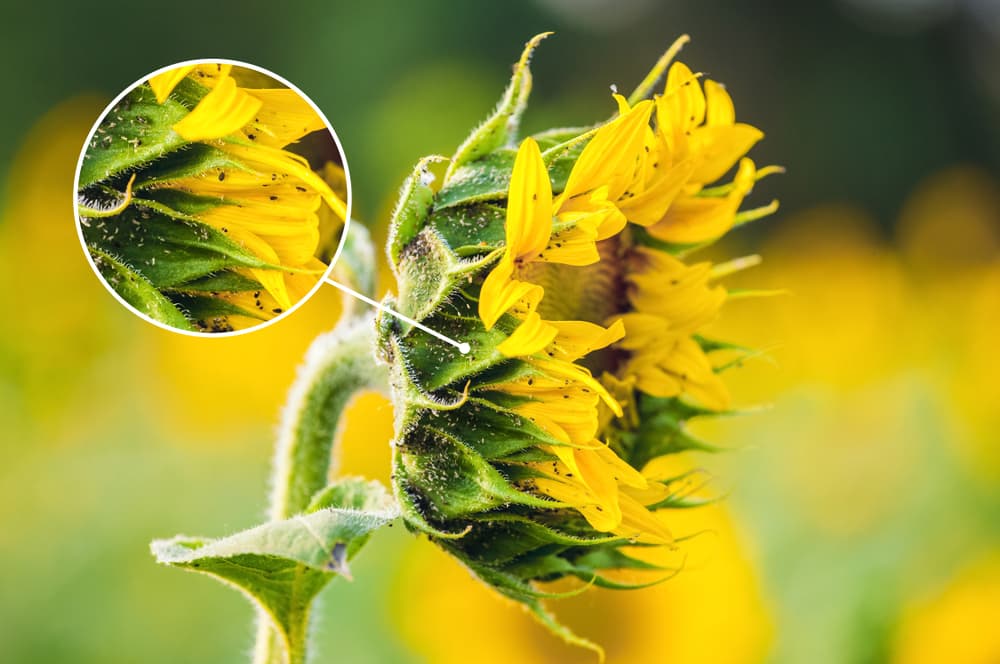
{"points": [[343, 233]]}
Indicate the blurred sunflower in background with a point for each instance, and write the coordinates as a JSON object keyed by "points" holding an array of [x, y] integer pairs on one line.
{"points": [[198, 202], [871, 485]]}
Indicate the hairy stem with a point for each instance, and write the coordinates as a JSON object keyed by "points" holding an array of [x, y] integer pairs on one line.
{"points": [[339, 365]]}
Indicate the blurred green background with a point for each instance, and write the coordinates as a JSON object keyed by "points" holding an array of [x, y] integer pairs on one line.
{"points": [[863, 523]]}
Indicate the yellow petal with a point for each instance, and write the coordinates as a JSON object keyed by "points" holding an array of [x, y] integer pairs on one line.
{"points": [[600, 479], [258, 303], [165, 82], [211, 73], [530, 337], [583, 500], [600, 213], [653, 380], [294, 248], [565, 454], [610, 157], [643, 330], [666, 288], [284, 117], [263, 217], [529, 203], [578, 338], [286, 164], [720, 109], [569, 423], [574, 372], [575, 241], [622, 472], [718, 148], [712, 393], [699, 219], [272, 280], [300, 283], [649, 206], [681, 108], [653, 493], [664, 370], [500, 292], [221, 112], [640, 524]]}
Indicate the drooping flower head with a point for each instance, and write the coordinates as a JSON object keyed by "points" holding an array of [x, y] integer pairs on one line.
{"points": [[562, 259], [194, 205]]}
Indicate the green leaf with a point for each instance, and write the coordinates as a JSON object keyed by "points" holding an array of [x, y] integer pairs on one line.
{"points": [[181, 204], [351, 493], [281, 566], [135, 289], [500, 538]]}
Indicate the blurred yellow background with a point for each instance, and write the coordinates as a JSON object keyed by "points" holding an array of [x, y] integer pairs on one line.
{"points": [[862, 522]]}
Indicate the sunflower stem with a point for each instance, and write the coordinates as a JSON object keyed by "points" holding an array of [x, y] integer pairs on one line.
{"points": [[338, 365]]}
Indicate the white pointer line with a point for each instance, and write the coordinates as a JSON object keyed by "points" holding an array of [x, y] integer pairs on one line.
{"points": [[462, 346]]}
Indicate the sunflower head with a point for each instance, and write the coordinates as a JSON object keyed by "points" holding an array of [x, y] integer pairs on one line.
{"points": [[198, 203], [562, 258]]}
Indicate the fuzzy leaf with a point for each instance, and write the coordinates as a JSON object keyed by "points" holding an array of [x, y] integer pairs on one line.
{"points": [[283, 565]]}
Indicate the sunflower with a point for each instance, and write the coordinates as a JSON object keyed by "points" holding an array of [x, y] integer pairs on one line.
{"points": [[198, 204], [564, 260]]}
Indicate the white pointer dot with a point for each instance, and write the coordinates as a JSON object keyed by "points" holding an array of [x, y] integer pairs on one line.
{"points": [[463, 346]]}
